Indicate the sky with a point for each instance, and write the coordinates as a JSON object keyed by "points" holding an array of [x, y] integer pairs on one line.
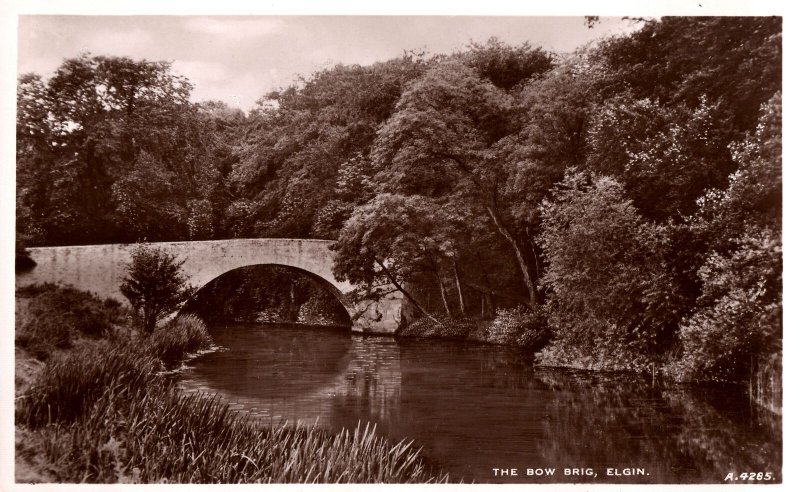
{"points": [[237, 59]]}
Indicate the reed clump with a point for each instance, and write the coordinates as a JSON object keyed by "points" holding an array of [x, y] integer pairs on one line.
{"points": [[161, 435], [73, 381], [185, 334]]}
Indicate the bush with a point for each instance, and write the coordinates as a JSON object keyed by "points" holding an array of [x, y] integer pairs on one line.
{"points": [[56, 316], [22, 260], [608, 355], [184, 335], [520, 327], [458, 329], [155, 285], [44, 336], [739, 321], [610, 293]]}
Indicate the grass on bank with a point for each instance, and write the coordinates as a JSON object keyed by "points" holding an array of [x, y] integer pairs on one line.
{"points": [[104, 412]]}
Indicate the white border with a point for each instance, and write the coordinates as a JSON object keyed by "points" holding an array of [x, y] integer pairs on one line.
{"points": [[9, 9]]}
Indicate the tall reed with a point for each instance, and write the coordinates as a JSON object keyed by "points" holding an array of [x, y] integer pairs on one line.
{"points": [[185, 334], [155, 433], [73, 381]]}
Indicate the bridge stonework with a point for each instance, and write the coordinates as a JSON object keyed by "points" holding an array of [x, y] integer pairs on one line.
{"points": [[101, 268]]}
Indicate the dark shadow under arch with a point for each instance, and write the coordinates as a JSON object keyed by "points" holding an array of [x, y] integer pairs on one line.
{"points": [[270, 284]]}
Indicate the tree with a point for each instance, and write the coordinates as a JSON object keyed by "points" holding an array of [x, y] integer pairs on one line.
{"points": [[737, 324], [507, 67], [298, 139], [155, 285], [457, 135], [666, 156], [732, 60], [110, 149], [390, 242], [611, 298], [441, 141]]}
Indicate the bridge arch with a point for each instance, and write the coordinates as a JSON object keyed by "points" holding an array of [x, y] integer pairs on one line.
{"points": [[346, 309], [101, 268]]}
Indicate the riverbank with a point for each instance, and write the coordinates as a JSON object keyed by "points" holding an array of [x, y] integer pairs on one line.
{"points": [[527, 332], [510, 327], [94, 405]]}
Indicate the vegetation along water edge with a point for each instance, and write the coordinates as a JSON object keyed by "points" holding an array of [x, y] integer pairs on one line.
{"points": [[94, 404]]}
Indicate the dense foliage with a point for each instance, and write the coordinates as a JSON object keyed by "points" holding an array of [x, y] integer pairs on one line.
{"points": [[155, 285], [628, 192]]}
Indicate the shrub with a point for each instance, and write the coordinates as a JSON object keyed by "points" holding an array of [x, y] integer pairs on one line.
{"points": [[183, 335], [610, 293], [607, 355], [22, 260], [520, 326], [56, 316], [739, 321], [155, 286], [425, 327], [42, 337]]}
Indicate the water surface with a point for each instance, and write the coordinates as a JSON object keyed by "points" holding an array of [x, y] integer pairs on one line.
{"points": [[476, 408]]}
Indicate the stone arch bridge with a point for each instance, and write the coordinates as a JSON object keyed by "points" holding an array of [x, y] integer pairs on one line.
{"points": [[101, 268]]}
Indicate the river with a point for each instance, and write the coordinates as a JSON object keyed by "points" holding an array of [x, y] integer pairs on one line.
{"points": [[480, 411]]}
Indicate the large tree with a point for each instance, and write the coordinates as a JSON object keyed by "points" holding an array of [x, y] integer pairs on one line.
{"points": [[611, 299], [297, 140], [110, 150], [737, 325], [732, 60], [666, 156], [443, 140], [456, 134], [391, 242]]}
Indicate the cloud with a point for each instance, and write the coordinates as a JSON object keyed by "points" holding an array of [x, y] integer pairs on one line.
{"points": [[118, 42], [201, 70], [235, 27]]}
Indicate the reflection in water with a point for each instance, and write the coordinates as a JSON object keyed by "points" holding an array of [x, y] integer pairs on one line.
{"points": [[282, 372], [474, 407]]}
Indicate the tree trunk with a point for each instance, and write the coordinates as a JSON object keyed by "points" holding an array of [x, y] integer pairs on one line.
{"points": [[533, 296], [444, 297], [442, 288], [458, 287], [490, 299], [494, 294], [294, 305], [403, 291]]}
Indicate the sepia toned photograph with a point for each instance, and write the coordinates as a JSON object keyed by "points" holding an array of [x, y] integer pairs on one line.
{"points": [[398, 249]]}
